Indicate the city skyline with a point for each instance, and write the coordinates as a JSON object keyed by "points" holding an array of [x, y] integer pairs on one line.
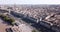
{"points": [[29, 1]]}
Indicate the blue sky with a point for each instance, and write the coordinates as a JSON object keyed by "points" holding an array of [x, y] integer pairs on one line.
{"points": [[29, 1]]}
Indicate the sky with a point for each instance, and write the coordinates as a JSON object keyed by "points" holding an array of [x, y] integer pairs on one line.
{"points": [[29, 1]]}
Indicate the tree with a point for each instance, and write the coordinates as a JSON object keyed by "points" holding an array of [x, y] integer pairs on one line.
{"points": [[33, 30], [11, 20], [6, 18]]}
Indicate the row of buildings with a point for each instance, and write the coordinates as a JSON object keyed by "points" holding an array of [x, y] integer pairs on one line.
{"points": [[50, 22]]}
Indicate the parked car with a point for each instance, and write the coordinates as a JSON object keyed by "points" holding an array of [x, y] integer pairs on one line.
{"points": [[17, 24], [9, 30]]}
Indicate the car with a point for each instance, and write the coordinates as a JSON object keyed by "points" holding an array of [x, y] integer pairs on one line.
{"points": [[17, 24], [9, 30]]}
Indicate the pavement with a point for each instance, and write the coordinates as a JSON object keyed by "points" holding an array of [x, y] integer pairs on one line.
{"points": [[22, 28], [3, 26]]}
